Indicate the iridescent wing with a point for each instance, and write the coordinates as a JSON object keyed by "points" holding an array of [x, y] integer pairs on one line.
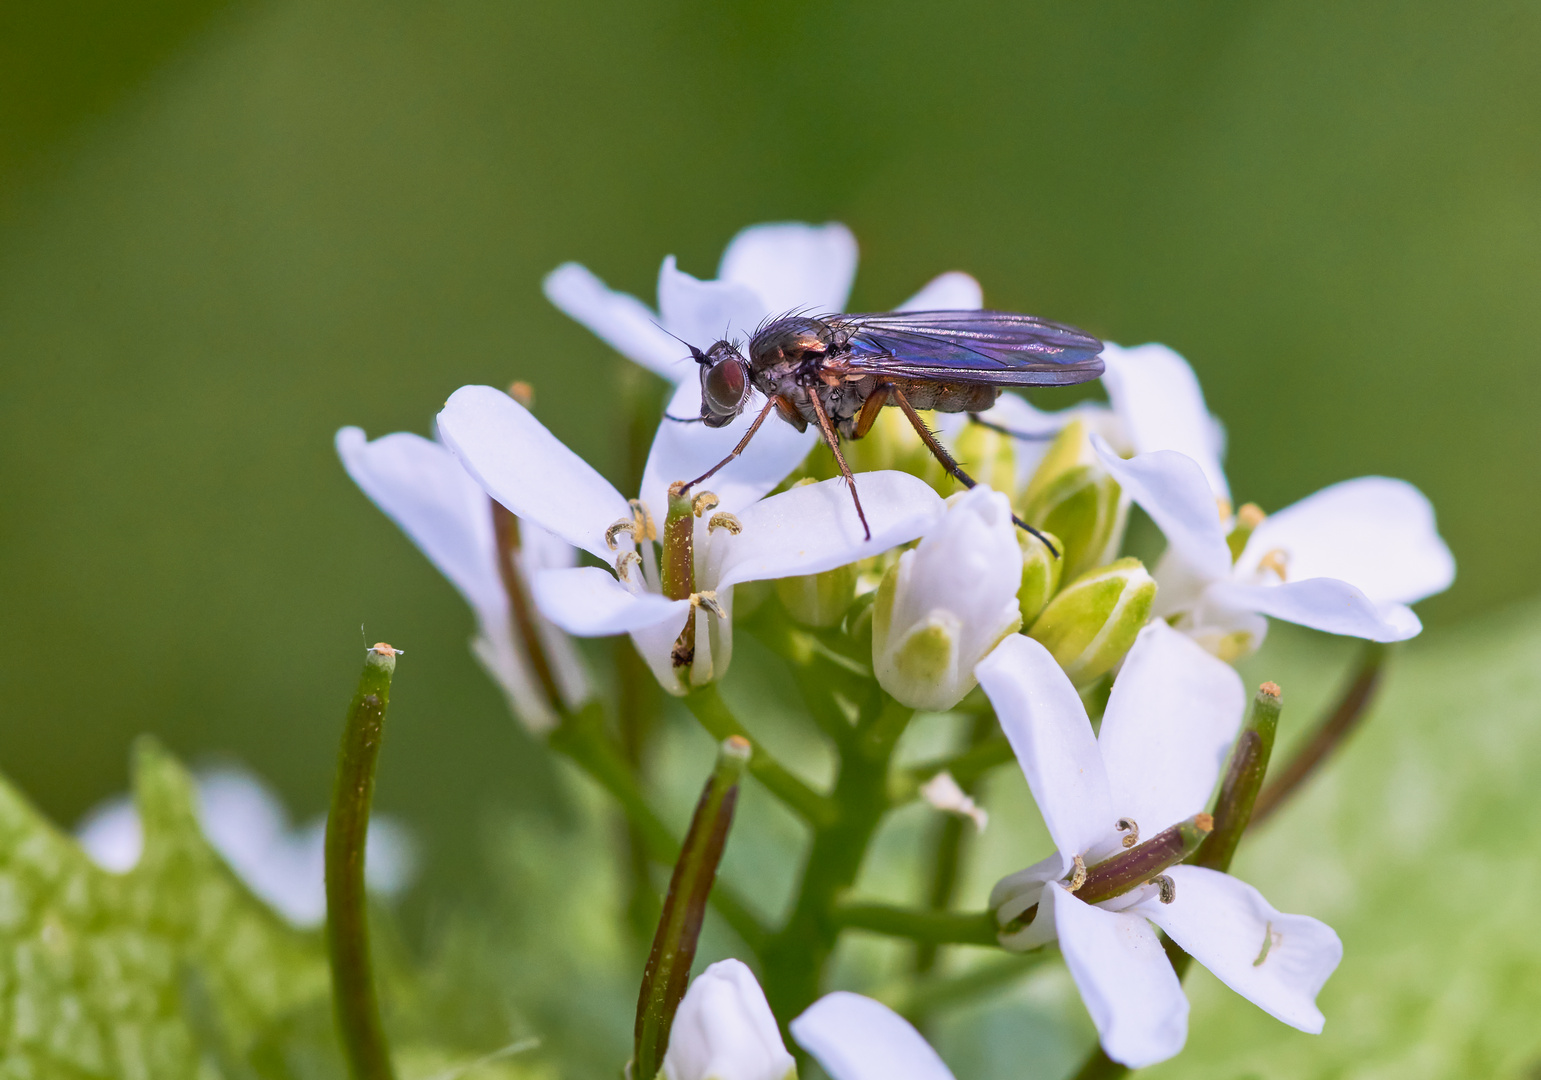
{"points": [[1000, 348]]}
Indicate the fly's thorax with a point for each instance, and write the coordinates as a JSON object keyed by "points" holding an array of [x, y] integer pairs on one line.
{"points": [[795, 342]]}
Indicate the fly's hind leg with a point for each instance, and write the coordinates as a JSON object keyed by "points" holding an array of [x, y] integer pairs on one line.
{"points": [[939, 452], [1023, 435], [834, 444]]}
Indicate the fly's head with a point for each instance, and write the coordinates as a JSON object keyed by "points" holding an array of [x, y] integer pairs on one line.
{"points": [[724, 383]]}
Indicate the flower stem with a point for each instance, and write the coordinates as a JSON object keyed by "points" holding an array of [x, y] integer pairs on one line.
{"points": [[1235, 804], [1099, 1066], [947, 853], [917, 924], [706, 704], [578, 738], [356, 1007], [920, 999], [1331, 733], [967, 768], [679, 927], [795, 957]]}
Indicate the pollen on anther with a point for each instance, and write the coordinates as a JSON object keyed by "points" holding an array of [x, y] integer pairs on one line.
{"points": [[623, 564], [646, 529], [625, 525], [1276, 560], [1130, 826], [1078, 875], [1167, 886], [724, 520], [703, 502]]}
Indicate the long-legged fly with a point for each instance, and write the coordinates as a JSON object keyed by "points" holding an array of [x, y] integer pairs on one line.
{"points": [[838, 371]]}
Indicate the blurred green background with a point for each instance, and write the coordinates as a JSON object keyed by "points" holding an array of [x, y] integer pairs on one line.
{"points": [[228, 229]]}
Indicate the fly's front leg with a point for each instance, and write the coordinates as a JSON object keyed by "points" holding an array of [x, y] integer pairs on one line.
{"points": [[834, 444], [870, 409], [939, 452], [739, 449]]}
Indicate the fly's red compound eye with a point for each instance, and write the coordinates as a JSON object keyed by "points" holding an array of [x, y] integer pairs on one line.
{"points": [[724, 386]]}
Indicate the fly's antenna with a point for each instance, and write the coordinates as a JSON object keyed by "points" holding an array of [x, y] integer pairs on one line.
{"points": [[695, 354], [682, 419]]}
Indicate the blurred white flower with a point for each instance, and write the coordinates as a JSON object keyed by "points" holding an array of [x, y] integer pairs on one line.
{"points": [[283, 864], [1347, 560], [1170, 721], [856, 1038], [946, 603], [806, 530], [724, 1030], [422, 486], [766, 270]]}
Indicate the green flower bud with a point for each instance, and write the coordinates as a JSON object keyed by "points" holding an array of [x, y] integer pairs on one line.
{"points": [[1072, 496], [819, 600], [1094, 620], [989, 458], [1041, 574]]}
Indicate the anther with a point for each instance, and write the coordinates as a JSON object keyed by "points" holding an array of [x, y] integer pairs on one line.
{"points": [[708, 600], [640, 514], [703, 502], [625, 525], [1130, 826], [522, 392], [624, 562], [1276, 560], [1167, 886], [724, 520], [1250, 516], [1078, 875], [1224, 507]]}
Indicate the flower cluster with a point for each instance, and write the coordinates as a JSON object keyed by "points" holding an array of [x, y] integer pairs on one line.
{"points": [[1111, 684]]}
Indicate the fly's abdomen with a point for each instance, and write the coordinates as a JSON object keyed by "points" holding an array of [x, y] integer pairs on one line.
{"points": [[948, 397]]}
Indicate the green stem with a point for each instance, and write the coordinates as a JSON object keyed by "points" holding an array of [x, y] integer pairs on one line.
{"points": [[947, 853], [795, 957], [1099, 1066], [679, 927], [706, 704], [967, 768], [919, 999], [918, 924], [577, 738], [347, 827]]}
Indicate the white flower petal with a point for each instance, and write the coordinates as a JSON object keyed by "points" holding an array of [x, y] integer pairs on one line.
{"points": [[620, 320], [655, 644], [1170, 721], [1173, 491], [1046, 724], [1322, 604], [589, 602], [813, 528], [1224, 923], [425, 490], [1375, 533], [1157, 396], [702, 312], [952, 291], [1124, 977], [856, 1038], [791, 266], [529, 470], [724, 1030], [1015, 893], [683, 451]]}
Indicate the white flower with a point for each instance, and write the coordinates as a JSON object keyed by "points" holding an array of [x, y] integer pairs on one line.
{"points": [[947, 603], [806, 530], [1347, 560], [1154, 403], [1172, 716], [766, 270], [856, 1038], [724, 1030], [282, 864], [422, 486]]}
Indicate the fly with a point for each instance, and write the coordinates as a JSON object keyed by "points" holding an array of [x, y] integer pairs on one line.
{"points": [[839, 371]]}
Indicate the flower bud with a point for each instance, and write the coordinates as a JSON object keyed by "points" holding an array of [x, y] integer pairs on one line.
{"points": [[1072, 496], [948, 602], [989, 456], [1042, 572], [724, 1030], [819, 600], [1094, 620]]}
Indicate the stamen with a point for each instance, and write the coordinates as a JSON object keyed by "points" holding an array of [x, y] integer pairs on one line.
{"points": [[708, 600], [523, 393], [625, 561], [1276, 560], [1167, 886], [1271, 940], [1224, 506], [724, 520], [1078, 875], [704, 502], [1250, 516], [1130, 826], [646, 530], [625, 525]]}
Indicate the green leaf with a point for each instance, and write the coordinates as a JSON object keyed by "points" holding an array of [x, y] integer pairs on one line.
{"points": [[171, 970]]}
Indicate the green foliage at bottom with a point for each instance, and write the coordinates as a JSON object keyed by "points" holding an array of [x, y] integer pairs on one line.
{"points": [[170, 970]]}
